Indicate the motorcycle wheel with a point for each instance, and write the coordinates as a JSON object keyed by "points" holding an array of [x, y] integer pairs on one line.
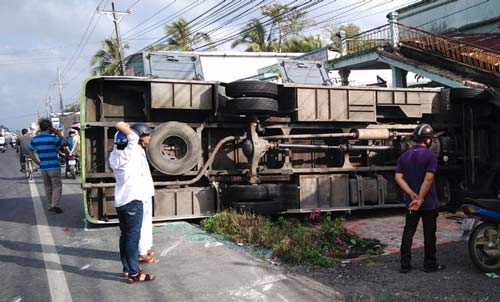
{"points": [[72, 172], [484, 238]]}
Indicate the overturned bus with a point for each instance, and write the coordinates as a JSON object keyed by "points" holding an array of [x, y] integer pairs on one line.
{"points": [[283, 148]]}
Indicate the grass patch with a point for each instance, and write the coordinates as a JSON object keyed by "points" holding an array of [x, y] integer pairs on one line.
{"points": [[321, 241]]}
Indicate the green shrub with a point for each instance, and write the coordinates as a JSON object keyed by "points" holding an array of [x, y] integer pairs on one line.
{"points": [[321, 242]]}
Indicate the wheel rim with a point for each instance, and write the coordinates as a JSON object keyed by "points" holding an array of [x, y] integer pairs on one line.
{"points": [[174, 148], [484, 241]]}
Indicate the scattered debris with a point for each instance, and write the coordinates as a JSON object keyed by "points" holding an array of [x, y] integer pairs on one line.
{"points": [[492, 275]]}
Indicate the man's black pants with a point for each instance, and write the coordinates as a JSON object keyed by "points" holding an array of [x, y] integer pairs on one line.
{"points": [[429, 219]]}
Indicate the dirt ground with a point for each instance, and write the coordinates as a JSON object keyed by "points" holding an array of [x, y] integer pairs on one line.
{"points": [[378, 279]]}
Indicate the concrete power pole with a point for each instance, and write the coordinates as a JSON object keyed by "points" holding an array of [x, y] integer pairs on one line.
{"points": [[60, 91], [116, 21], [48, 106]]}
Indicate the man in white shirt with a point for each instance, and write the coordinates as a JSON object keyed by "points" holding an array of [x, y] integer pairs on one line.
{"points": [[134, 187]]}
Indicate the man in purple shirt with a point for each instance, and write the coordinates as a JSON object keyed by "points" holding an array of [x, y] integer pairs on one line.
{"points": [[415, 175]]}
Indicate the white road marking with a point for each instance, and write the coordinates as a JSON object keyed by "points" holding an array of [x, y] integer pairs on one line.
{"points": [[167, 250], [58, 286], [282, 298]]}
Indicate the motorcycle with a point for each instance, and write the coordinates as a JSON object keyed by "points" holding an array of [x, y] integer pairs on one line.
{"points": [[72, 166], [482, 228], [2, 144]]}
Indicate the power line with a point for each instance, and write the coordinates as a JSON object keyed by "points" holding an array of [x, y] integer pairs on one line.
{"points": [[150, 17], [245, 13], [82, 44], [268, 22], [233, 18], [167, 19], [133, 4], [188, 23]]}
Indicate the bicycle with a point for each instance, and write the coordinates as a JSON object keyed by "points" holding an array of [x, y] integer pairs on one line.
{"points": [[29, 167]]}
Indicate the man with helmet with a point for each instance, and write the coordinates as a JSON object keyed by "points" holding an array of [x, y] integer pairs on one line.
{"points": [[415, 175], [134, 188]]}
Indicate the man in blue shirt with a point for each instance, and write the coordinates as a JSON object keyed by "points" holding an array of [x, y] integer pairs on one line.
{"points": [[415, 175], [46, 145]]}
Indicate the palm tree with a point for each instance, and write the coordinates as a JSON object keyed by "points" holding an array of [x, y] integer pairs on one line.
{"points": [[302, 44], [181, 38], [106, 61], [255, 37]]}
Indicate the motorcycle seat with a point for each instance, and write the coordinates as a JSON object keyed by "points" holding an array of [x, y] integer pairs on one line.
{"points": [[490, 204]]}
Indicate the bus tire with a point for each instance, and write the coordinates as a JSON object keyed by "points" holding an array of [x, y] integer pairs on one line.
{"points": [[264, 207], [252, 105], [251, 193], [174, 148], [252, 89]]}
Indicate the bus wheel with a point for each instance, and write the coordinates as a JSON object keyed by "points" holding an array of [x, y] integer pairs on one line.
{"points": [[252, 89], [252, 105], [254, 193], [174, 148]]}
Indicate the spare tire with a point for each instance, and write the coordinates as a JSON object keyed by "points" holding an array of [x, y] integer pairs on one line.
{"points": [[174, 148], [263, 207], [252, 193], [252, 105], [252, 89]]}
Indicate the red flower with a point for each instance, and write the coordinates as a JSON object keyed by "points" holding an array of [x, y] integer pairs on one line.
{"points": [[314, 213]]}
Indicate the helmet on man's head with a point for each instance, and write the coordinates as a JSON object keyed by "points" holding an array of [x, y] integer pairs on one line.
{"points": [[422, 132], [141, 129]]}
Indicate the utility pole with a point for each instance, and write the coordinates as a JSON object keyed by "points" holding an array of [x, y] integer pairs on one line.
{"points": [[60, 91], [48, 106], [116, 21]]}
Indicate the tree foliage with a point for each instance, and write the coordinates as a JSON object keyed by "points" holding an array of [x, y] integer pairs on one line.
{"points": [[181, 38], [350, 29], [283, 34], [302, 44], [286, 22], [255, 37], [75, 107], [106, 61]]}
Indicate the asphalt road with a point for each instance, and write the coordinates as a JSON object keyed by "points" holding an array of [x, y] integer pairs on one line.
{"points": [[50, 257]]}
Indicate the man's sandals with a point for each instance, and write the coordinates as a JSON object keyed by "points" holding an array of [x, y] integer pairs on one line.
{"points": [[140, 277]]}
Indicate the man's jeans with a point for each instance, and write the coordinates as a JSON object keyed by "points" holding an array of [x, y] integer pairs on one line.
{"points": [[53, 187], [429, 219], [130, 217]]}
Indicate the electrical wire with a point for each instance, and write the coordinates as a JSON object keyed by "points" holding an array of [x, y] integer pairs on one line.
{"points": [[133, 4], [81, 46], [266, 23], [149, 18], [245, 13], [188, 23], [167, 19]]}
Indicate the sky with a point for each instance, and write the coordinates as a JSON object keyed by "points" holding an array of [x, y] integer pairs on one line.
{"points": [[39, 37]]}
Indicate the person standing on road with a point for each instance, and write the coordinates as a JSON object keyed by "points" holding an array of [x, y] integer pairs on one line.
{"points": [[22, 148], [134, 187], [46, 144], [415, 173]]}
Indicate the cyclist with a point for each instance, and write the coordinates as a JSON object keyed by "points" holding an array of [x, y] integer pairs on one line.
{"points": [[22, 146]]}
